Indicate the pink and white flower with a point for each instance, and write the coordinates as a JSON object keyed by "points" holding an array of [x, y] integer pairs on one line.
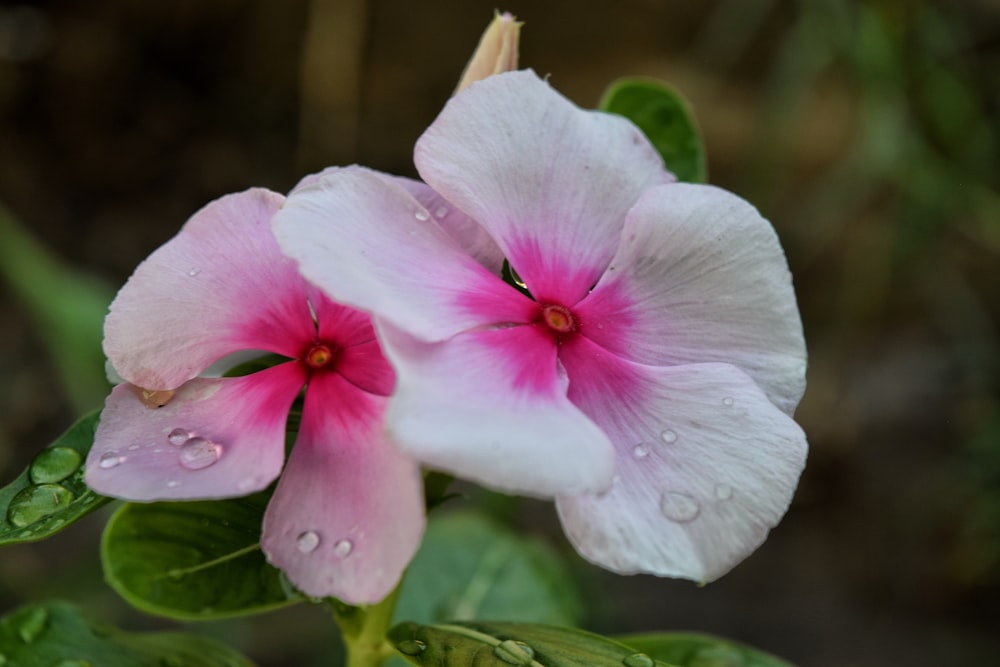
{"points": [[648, 381], [348, 512]]}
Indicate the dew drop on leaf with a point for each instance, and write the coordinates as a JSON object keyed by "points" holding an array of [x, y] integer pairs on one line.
{"points": [[37, 502], [514, 652], [638, 660], [411, 647], [54, 464]]}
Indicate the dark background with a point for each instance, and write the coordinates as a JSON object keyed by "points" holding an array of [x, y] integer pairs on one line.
{"points": [[866, 131]]}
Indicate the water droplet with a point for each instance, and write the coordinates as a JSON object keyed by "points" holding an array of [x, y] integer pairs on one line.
{"points": [[717, 656], [343, 548], [54, 465], [441, 212], [134, 446], [173, 484], [178, 436], [33, 624], [723, 491], [411, 647], [198, 453], [669, 437], [194, 271], [514, 652], [728, 401], [640, 451], [421, 215], [307, 541], [37, 502], [110, 460], [638, 660], [679, 507]]}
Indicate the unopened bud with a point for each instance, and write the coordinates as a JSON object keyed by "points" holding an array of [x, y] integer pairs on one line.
{"points": [[497, 50]]}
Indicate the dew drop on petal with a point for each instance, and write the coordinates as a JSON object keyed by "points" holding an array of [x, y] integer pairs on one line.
{"points": [[669, 436], [54, 464], [173, 484], [638, 660], [728, 401], [178, 436], [514, 652], [194, 271], [679, 507], [134, 446], [421, 215], [110, 460], [723, 491], [307, 541], [198, 453], [411, 647], [441, 212], [640, 451], [343, 548]]}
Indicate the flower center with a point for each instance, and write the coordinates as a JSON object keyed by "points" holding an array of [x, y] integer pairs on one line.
{"points": [[558, 318], [319, 355]]}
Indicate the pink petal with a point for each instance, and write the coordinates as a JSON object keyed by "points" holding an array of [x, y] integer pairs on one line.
{"points": [[491, 406], [363, 239], [469, 234], [348, 513], [221, 285], [699, 277], [215, 438], [550, 182], [706, 466]]}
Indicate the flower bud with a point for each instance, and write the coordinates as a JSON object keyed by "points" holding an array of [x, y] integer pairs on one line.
{"points": [[497, 50]]}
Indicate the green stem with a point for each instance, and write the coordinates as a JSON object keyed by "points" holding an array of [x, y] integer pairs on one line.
{"points": [[364, 630]]}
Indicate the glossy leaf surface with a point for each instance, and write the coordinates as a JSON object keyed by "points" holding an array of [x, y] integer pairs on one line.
{"points": [[50, 494], [193, 560], [665, 118], [688, 649], [57, 634]]}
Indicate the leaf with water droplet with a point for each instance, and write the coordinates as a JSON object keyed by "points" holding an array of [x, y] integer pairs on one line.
{"points": [[57, 634], [700, 650], [489, 644], [50, 494], [665, 118], [193, 560], [469, 566]]}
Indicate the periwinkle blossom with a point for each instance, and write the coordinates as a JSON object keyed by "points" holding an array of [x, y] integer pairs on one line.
{"points": [[348, 512], [646, 376]]}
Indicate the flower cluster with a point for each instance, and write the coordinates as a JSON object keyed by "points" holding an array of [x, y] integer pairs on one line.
{"points": [[642, 372]]}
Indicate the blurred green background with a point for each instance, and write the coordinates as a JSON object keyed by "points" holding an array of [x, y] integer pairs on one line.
{"points": [[866, 131]]}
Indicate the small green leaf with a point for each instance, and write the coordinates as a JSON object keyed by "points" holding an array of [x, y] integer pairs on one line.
{"points": [[484, 644], [469, 567], [194, 560], [57, 634], [665, 118], [51, 494], [688, 649]]}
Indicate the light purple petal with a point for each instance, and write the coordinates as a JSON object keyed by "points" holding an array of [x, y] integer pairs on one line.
{"points": [[491, 406], [550, 182], [700, 277], [220, 286], [469, 234], [215, 438], [706, 466], [364, 240], [348, 513]]}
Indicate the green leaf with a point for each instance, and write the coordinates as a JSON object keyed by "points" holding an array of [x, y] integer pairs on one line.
{"points": [[57, 634], [67, 307], [470, 566], [688, 649], [51, 494], [505, 644], [194, 560], [665, 118]]}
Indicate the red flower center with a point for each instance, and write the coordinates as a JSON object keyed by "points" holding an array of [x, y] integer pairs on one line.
{"points": [[319, 355], [558, 318]]}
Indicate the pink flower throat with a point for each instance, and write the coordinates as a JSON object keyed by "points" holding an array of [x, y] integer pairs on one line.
{"points": [[558, 319]]}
